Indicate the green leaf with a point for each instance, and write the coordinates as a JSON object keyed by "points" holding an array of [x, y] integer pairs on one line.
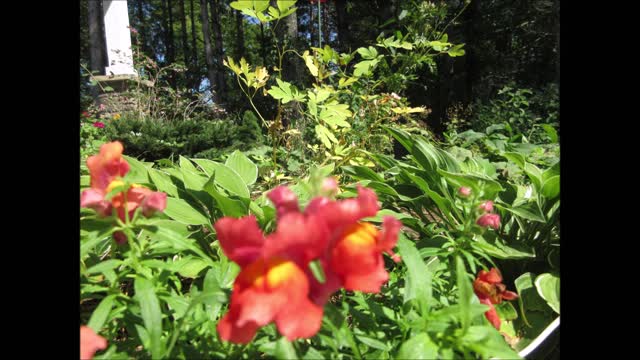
{"points": [[551, 187], [548, 287], [151, 315], [418, 347], [530, 211], [506, 311], [465, 293], [362, 173], [103, 266], [476, 182], [163, 182], [368, 53], [181, 211], [101, 313], [335, 114], [225, 176], [418, 281], [527, 296], [551, 132], [488, 343], [176, 239], [373, 343], [192, 267], [247, 170], [535, 174], [137, 171], [229, 207], [502, 251], [364, 67], [325, 135], [308, 60], [285, 350]]}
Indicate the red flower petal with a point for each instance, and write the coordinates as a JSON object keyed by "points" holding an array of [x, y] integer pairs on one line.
{"points": [[90, 342], [388, 237], [301, 319], [107, 165], [339, 214], [509, 295], [302, 238], [94, 199], [320, 292], [156, 201], [241, 239], [230, 331], [492, 276], [284, 200], [491, 314], [370, 281]]}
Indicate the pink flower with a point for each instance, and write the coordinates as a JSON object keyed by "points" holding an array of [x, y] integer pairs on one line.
{"points": [[329, 186], [133, 30], [487, 206], [489, 220], [464, 191], [90, 342], [101, 107], [98, 124]]}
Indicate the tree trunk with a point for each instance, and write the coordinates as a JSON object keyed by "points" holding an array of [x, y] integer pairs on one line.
{"points": [[96, 37], [142, 27], [194, 45], [168, 31], [183, 28], [211, 73], [263, 46], [344, 38], [239, 35], [218, 50]]}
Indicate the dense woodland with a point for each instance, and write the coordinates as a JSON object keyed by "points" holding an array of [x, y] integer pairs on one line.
{"points": [[511, 43]]}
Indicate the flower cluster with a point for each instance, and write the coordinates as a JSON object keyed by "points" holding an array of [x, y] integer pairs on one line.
{"points": [[488, 219], [490, 290], [275, 283], [107, 170]]}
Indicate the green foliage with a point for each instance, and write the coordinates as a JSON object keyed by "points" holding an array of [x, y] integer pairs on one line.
{"points": [[154, 140]]}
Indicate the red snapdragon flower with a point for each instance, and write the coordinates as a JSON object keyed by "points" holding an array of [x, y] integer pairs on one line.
{"points": [[98, 124], [272, 285], [107, 170], [489, 220], [85, 114], [490, 290], [275, 283], [90, 342], [486, 206]]}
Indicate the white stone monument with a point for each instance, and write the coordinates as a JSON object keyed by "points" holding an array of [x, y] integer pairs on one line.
{"points": [[118, 38]]}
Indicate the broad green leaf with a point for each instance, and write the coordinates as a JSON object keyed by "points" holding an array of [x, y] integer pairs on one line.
{"points": [[551, 187], [104, 266], [418, 281], [502, 251], [101, 313], [368, 53], [535, 174], [465, 293], [151, 315], [548, 287], [488, 343], [284, 349], [192, 267], [230, 207], [175, 239], [181, 211], [516, 158], [530, 211], [247, 170], [418, 347], [506, 311], [364, 67], [225, 176], [527, 296], [551, 132], [163, 182], [187, 165], [137, 171], [362, 173]]}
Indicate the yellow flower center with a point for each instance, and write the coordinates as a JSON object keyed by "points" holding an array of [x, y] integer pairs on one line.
{"points": [[275, 271], [363, 234], [114, 184]]}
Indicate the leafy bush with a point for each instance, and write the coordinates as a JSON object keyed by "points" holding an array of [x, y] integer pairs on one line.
{"points": [[523, 111], [152, 140]]}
